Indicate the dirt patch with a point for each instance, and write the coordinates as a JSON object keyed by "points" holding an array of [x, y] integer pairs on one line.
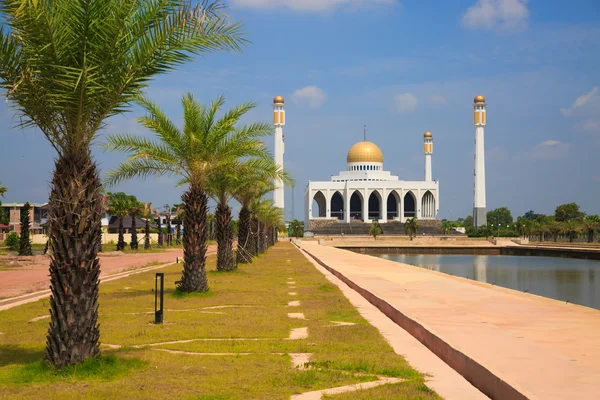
{"points": [[22, 275]]}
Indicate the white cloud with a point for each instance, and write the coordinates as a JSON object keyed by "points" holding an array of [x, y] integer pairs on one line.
{"points": [[591, 126], [310, 5], [581, 102], [406, 102], [311, 95], [437, 99], [549, 150], [505, 15]]}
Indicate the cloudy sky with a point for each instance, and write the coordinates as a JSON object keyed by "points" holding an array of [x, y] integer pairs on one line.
{"points": [[401, 67]]}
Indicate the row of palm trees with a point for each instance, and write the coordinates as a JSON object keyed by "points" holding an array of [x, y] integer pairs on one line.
{"points": [[569, 230], [67, 67]]}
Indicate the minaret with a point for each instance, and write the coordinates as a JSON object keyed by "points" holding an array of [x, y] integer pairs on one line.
{"points": [[279, 122], [428, 147], [479, 207]]}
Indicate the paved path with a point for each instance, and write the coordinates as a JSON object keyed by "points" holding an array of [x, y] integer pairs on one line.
{"points": [[532, 346]]}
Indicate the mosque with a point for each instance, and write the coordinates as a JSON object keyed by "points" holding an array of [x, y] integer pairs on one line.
{"points": [[366, 192]]}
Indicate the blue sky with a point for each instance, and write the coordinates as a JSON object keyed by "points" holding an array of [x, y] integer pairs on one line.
{"points": [[400, 67]]}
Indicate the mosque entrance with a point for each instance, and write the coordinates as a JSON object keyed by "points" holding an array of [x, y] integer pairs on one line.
{"points": [[356, 206], [410, 210], [319, 206], [428, 205], [393, 202], [375, 206], [337, 206]]}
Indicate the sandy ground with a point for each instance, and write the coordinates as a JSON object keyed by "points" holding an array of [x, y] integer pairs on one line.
{"points": [[30, 274]]}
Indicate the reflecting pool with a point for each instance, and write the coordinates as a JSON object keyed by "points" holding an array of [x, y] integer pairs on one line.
{"points": [[564, 279]]}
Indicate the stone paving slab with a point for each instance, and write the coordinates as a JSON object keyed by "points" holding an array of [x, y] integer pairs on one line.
{"points": [[541, 348]]}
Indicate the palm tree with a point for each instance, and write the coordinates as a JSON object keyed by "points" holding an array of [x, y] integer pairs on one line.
{"points": [[253, 188], [68, 66], [411, 227], [223, 186], [147, 212], [591, 223], [205, 146], [119, 206], [571, 228], [555, 228], [375, 230], [297, 228], [169, 228], [135, 209], [158, 220], [179, 211], [25, 240]]}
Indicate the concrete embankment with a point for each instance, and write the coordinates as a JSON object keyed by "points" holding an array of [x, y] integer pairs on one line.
{"points": [[510, 345]]}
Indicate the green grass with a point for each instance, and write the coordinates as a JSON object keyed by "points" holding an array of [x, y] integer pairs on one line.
{"points": [[103, 368], [258, 294]]}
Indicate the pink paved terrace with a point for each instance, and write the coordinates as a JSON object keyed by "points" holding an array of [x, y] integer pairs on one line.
{"points": [[509, 344]]}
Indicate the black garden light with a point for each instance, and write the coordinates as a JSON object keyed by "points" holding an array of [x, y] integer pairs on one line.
{"points": [[159, 298]]}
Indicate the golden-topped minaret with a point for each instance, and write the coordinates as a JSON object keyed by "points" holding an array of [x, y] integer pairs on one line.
{"points": [[428, 148], [479, 202], [279, 149]]}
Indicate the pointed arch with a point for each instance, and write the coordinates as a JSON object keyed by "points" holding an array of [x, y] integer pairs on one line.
{"points": [[410, 205], [319, 205], [428, 205], [375, 206], [393, 205], [356, 205], [337, 206]]}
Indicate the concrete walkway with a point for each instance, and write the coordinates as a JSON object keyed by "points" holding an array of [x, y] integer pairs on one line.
{"points": [[506, 343]]}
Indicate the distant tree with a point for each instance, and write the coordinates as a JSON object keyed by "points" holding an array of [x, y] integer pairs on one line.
{"points": [[591, 223], [119, 206], [468, 222], [375, 230], [446, 227], [136, 208], [3, 189], [4, 216], [147, 213], [411, 227], [554, 227], [500, 216], [567, 212], [159, 227], [12, 241], [572, 228], [169, 228], [530, 215], [179, 215], [25, 241], [297, 228]]}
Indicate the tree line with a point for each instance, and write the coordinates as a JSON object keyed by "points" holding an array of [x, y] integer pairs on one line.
{"points": [[568, 223]]}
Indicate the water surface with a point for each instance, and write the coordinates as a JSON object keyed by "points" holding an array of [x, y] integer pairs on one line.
{"points": [[564, 279]]}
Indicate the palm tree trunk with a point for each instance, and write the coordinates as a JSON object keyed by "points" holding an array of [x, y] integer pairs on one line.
{"points": [[134, 239], [224, 235], [590, 235], [193, 278], [160, 234], [147, 235], [74, 229], [178, 229], [121, 241], [244, 252], [169, 234]]}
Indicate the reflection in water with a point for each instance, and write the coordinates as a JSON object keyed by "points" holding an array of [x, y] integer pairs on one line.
{"points": [[563, 279]]}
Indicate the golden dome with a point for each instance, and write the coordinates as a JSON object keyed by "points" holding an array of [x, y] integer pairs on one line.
{"points": [[479, 99], [278, 100], [427, 135], [364, 152]]}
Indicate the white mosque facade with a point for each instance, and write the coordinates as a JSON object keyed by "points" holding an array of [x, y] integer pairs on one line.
{"points": [[366, 192]]}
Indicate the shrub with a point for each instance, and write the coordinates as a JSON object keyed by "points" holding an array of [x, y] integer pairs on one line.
{"points": [[12, 241]]}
